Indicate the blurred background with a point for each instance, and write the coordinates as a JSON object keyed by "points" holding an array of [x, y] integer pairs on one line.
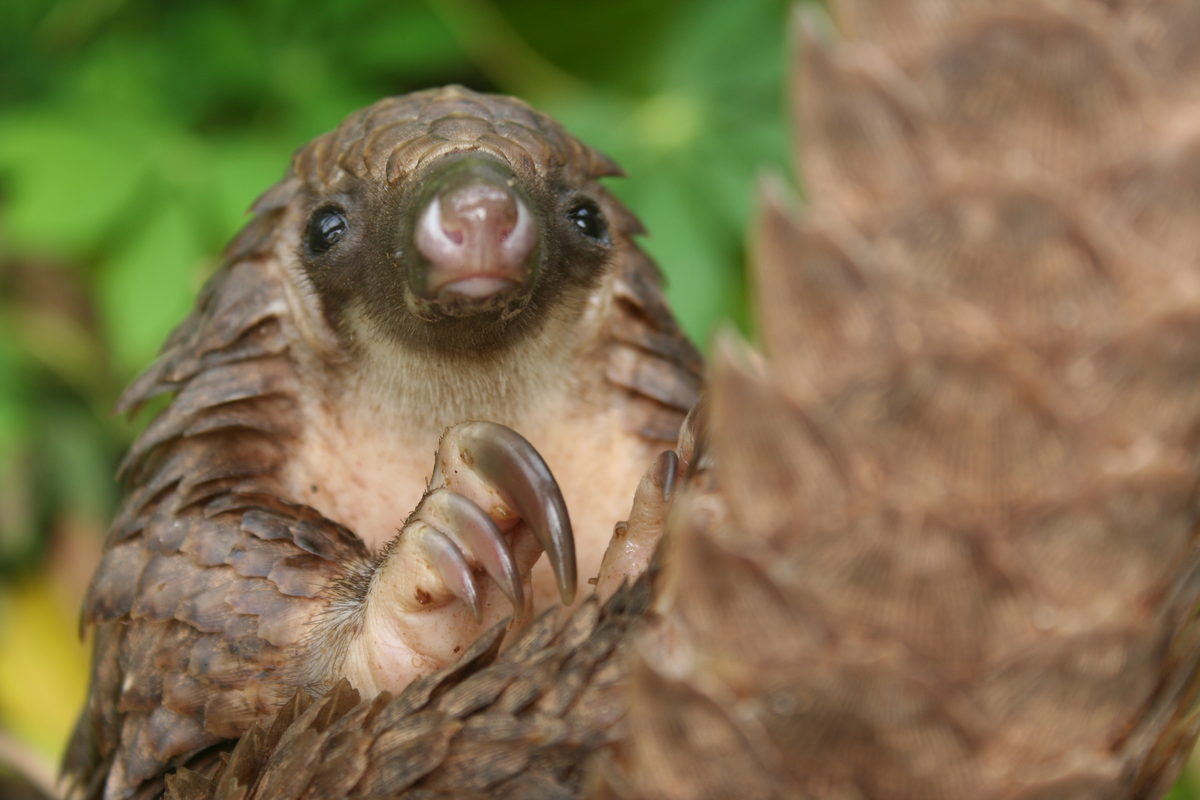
{"points": [[134, 134]]}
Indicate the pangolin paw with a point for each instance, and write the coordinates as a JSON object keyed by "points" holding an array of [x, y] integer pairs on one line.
{"points": [[463, 559], [502, 473], [456, 538]]}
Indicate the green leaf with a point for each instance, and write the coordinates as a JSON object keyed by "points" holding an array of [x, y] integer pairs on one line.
{"points": [[78, 463], [146, 289], [410, 39], [14, 417], [67, 183], [238, 172], [703, 279]]}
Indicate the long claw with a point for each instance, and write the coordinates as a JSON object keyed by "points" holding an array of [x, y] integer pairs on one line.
{"points": [[514, 468], [474, 532], [666, 467], [454, 569], [694, 436]]}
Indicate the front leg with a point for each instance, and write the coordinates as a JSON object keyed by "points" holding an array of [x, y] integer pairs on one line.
{"points": [[462, 561], [635, 539]]}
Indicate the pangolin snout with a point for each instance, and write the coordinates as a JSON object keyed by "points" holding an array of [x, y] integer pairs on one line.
{"points": [[476, 235]]}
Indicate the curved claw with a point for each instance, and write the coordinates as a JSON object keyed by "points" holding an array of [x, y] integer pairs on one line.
{"points": [[469, 527], [517, 471], [694, 435], [448, 560], [666, 468]]}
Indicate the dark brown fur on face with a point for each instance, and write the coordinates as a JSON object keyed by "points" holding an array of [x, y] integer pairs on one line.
{"points": [[309, 399], [377, 266]]}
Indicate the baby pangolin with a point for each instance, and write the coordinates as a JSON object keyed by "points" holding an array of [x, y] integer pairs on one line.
{"points": [[441, 258]]}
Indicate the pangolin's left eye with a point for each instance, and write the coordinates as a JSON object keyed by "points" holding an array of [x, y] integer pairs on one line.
{"points": [[587, 217], [326, 228]]}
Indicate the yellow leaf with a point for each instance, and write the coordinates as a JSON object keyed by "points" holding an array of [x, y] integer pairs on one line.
{"points": [[43, 665]]}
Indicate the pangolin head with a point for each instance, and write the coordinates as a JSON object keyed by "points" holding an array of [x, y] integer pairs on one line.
{"points": [[450, 220]]}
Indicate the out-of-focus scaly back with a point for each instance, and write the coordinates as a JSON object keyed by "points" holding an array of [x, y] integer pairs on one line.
{"points": [[948, 546]]}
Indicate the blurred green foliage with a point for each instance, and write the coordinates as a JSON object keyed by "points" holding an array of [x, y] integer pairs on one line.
{"points": [[1188, 788], [134, 134]]}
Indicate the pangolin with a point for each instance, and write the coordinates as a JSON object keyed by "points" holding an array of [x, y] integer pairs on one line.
{"points": [[441, 273], [941, 543]]}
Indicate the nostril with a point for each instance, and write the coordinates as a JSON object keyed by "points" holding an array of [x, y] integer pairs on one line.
{"points": [[453, 235], [485, 210], [477, 237], [478, 216]]}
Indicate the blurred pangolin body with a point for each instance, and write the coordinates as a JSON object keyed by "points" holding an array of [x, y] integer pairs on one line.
{"points": [[943, 544], [441, 257], [955, 554]]}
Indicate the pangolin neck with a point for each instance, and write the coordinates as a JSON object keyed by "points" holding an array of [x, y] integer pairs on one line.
{"points": [[374, 424], [413, 391]]}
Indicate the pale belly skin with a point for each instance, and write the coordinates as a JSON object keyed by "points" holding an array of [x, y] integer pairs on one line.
{"points": [[368, 471]]}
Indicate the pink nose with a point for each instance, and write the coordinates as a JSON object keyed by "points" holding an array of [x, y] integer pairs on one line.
{"points": [[477, 238]]}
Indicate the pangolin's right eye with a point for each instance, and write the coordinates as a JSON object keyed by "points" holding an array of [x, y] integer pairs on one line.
{"points": [[326, 227]]}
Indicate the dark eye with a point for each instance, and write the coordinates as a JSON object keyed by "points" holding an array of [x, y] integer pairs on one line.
{"points": [[588, 219], [325, 229]]}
